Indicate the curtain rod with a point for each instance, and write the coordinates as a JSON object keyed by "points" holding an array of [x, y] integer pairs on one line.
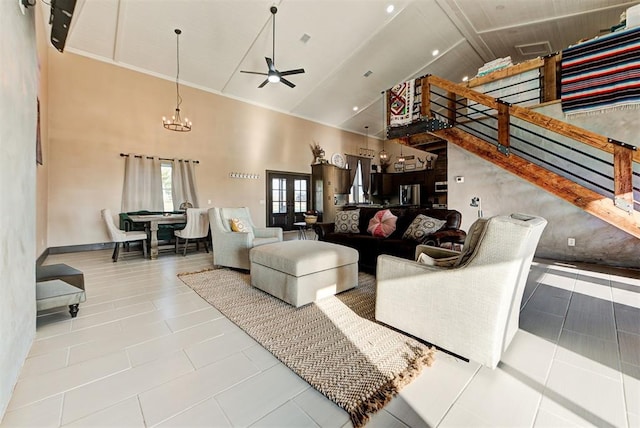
{"points": [[126, 155]]}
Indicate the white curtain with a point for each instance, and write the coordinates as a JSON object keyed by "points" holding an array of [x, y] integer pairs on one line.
{"points": [[142, 184], [183, 183]]}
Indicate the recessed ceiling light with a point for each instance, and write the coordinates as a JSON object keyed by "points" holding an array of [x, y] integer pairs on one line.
{"points": [[435, 53], [465, 78], [355, 108], [390, 8]]}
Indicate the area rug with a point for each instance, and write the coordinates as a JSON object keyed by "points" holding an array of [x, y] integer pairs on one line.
{"points": [[333, 344]]}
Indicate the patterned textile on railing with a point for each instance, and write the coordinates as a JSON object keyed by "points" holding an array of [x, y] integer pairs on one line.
{"points": [[401, 103], [602, 73]]}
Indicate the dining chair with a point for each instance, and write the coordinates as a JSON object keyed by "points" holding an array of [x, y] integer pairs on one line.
{"points": [[197, 228], [121, 237]]}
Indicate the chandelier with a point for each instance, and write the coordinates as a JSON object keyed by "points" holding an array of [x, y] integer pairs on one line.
{"points": [[403, 141], [176, 123], [384, 156]]}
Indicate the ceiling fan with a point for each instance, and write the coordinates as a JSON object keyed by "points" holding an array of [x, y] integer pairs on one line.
{"points": [[273, 74]]}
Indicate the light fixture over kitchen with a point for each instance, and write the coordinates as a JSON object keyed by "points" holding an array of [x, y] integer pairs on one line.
{"points": [[365, 151]]}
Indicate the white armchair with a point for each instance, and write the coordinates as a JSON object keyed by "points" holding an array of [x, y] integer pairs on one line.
{"points": [[232, 248], [470, 305]]}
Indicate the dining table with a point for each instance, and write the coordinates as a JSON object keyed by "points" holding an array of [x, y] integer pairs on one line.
{"points": [[151, 223]]}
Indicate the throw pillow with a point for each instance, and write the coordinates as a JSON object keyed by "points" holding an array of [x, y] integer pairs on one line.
{"points": [[421, 227], [238, 225], [347, 221], [382, 224]]}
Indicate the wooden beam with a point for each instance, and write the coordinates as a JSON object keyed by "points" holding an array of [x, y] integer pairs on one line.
{"points": [[550, 77], [425, 107], [623, 174], [555, 184], [503, 125], [451, 105]]}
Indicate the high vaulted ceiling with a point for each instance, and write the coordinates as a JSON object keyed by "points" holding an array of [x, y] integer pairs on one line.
{"points": [[347, 39]]}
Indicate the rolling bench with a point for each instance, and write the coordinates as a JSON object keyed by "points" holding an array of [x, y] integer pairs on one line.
{"points": [[59, 285]]}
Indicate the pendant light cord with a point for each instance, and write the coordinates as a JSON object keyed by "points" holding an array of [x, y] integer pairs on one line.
{"points": [[178, 97], [273, 42]]}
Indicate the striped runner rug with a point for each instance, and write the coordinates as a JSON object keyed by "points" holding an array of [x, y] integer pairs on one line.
{"points": [[602, 73], [333, 344]]}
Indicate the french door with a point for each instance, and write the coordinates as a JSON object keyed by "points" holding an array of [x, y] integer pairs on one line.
{"points": [[288, 196]]}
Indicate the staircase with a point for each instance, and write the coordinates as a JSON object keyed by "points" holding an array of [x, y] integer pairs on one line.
{"points": [[551, 154]]}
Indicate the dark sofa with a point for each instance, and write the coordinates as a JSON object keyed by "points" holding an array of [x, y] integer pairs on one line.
{"points": [[165, 231], [370, 247]]}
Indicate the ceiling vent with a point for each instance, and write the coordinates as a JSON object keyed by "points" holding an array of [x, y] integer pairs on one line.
{"points": [[534, 49]]}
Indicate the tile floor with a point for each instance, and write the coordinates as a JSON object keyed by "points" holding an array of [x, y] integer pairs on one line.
{"points": [[145, 350]]}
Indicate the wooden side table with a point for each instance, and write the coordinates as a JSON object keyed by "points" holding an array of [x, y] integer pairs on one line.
{"points": [[56, 293]]}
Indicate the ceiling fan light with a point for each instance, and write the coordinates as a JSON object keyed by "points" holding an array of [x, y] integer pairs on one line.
{"points": [[273, 78]]}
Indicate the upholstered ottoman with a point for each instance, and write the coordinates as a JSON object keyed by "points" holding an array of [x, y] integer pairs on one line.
{"points": [[300, 272]]}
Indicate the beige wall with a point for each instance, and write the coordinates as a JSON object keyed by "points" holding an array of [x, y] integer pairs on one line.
{"points": [[98, 110], [19, 80], [42, 171]]}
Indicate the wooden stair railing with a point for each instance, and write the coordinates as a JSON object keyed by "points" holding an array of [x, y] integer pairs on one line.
{"points": [[619, 212]]}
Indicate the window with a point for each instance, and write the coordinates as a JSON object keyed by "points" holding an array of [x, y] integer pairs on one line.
{"points": [[166, 168], [300, 195], [357, 192], [279, 195]]}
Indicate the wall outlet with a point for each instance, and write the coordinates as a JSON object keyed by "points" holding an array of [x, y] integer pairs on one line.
{"points": [[571, 242]]}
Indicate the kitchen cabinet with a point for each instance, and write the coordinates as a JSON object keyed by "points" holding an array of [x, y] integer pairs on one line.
{"points": [[329, 187], [387, 185]]}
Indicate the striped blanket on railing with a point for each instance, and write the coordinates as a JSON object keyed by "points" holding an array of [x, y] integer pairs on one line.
{"points": [[602, 73]]}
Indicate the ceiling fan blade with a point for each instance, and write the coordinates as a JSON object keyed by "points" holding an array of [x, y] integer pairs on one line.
{"points": [[254, 72], [290, 72], [270, 64], [286, 82], [263, 83]]}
